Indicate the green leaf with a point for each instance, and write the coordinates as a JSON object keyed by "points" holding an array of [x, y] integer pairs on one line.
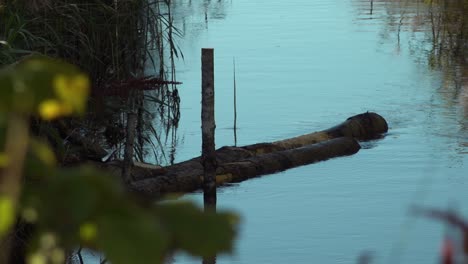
{"points": [[40, 161], [84, 205], [70, 197], [27, 84], [199, 233], [131, 237]]}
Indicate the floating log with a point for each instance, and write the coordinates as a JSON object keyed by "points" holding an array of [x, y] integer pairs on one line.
{"points": [[236, 164]]}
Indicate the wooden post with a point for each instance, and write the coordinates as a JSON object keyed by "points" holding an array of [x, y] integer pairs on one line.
{"points": [[208, 130], [129, 143], [208, 137], [235, 102]]}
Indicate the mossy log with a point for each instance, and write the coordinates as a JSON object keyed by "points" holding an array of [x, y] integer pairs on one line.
{"points": [[236, 164]]}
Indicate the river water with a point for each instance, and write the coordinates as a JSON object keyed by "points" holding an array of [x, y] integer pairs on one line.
{"points": [[303, 66]]}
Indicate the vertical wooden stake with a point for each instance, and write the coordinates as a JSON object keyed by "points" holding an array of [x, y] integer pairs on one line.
{"points": [[208, 137], [129, 143], [208, 130], [235, 103]]}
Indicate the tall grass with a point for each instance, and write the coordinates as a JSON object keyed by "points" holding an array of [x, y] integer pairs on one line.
{"points": [[114, 41]]}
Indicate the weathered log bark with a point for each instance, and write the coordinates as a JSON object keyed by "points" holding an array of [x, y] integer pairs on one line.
{"points": [[363, 126], [286, 159], [187, 176], [239, 163]]}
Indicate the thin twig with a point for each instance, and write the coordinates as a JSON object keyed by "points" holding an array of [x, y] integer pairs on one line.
{"points": [[79, 255]]}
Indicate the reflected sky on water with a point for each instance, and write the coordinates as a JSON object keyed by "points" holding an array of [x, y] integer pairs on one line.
{"points": [[303, 66]]}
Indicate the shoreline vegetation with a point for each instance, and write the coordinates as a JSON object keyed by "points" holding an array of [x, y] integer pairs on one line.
{"points": [[114, 42]]}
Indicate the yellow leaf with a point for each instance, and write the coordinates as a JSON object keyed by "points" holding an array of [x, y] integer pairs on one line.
{"points": [[37, 258], [88, 231], [51, 109], [4, 160], [72, 90], [7, 213]]}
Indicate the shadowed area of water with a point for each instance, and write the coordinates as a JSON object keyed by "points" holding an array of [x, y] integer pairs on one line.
{"points": [[303, 66]]}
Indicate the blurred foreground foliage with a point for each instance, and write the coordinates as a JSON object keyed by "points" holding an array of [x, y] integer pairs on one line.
{"points": [[82, 206]]}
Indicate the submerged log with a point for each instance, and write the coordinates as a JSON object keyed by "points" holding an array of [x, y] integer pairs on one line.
{"points": [[236, 164]]}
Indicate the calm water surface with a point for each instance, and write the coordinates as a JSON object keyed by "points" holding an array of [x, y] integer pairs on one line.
{"points": [[303, 66]]}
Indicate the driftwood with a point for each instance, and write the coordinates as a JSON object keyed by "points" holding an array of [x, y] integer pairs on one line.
{"points": [[236, 164]]}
